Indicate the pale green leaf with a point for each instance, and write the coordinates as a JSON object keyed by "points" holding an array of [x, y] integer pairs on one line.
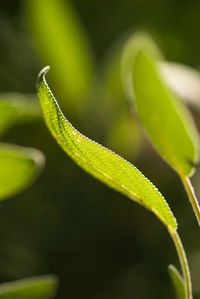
{"points": [[99, 161], [166, 119], [41, 287], [61, 40], [15, 106], [177, 281], [19, 167], [183, 80]]}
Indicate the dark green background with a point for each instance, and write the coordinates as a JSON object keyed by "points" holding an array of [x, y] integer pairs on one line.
{"points": [[99, 244]]}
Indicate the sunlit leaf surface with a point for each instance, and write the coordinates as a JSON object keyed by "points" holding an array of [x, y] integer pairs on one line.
{"points": [[43, 287], [19, 167], [99, 161], [167, 121], [177, 282]]}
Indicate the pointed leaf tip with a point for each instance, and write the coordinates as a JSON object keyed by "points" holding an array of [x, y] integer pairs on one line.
{"points": [[42, 73]]}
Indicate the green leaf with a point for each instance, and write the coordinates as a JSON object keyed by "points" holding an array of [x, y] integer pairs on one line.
{"points": [[43, 287], [177, 282], [15, 106], [19, 167], [167, 121], [99, 161], [140, 40], [62, 42]]}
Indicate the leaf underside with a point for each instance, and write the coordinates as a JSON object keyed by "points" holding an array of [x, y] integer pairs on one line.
{"points": [[99, 161], [166, 120]]}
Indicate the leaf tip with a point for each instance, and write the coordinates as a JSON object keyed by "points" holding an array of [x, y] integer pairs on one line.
{"points": [[42, 73]]}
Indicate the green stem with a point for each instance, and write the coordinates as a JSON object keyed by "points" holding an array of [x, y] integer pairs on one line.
{"points": [[192, 197], [184, 264]]}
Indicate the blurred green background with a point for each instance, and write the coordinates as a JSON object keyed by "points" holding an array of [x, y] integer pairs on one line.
{"points": [[98, 243]]}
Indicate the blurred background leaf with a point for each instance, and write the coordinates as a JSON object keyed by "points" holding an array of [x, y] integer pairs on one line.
{"points": [[19, 168], [63, 43], [43, 287], [136, 42]]}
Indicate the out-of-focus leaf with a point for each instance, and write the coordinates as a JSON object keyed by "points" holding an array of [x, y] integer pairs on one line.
{"points": [[19, 167], [8, 116], [177, 282], [62, 42], [183, 80], [14, 106], [137, 41], [99, 161], [43, 287], [167, 121]]}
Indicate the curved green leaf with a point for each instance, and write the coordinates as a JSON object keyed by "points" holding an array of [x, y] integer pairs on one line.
{"points": [[61, 40], [177, 282], [99, 161], [19, 167], [42, 287], [166, 120]]}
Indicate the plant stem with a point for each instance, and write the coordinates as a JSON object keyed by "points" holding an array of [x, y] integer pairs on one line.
{"points": [[192, 197], [184, 264]]}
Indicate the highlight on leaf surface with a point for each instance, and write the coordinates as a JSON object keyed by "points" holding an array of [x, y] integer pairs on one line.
{"points": [[19, 167], [99, 161], [40, 287], [177, 281], [166, 120]]}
